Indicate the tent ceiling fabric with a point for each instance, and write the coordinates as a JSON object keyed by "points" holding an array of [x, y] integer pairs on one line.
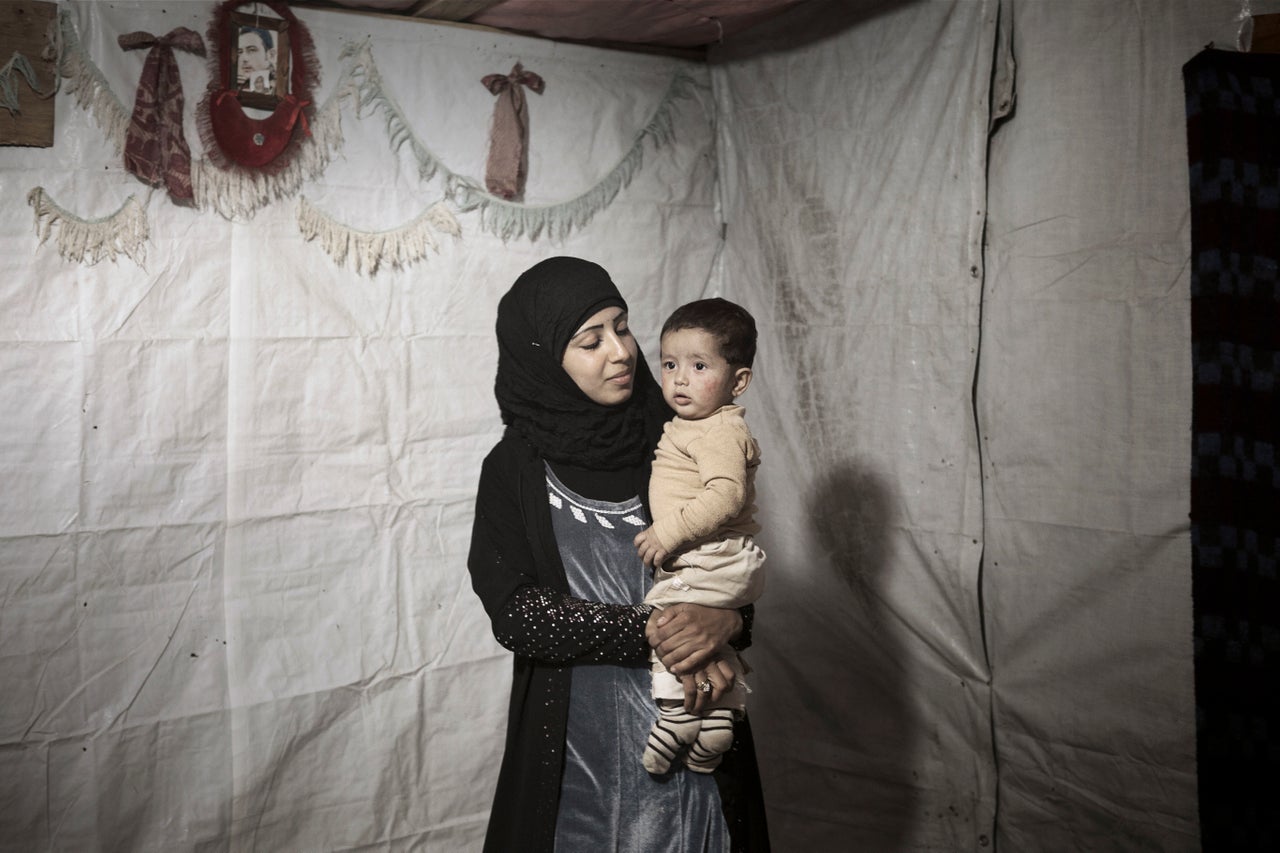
{"points": [[649, 23]]}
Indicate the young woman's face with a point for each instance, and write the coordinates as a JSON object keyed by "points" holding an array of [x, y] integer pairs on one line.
{"points": [[601, 357]]}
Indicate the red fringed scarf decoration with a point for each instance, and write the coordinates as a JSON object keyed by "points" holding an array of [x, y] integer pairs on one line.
{"points": [[155, 148], [509, 134], [231, 137]]}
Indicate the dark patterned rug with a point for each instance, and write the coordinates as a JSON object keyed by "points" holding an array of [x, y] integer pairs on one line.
{"points": [[1233, 141]]}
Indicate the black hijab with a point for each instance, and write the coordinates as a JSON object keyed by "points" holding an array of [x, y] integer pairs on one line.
{"points": [[536, 319]]}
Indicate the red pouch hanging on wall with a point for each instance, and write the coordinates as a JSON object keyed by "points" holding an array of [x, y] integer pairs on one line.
{"points": [[265, 61], [251, 141]]}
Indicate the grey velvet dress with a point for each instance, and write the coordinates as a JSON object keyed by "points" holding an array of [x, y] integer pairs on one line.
{"points": [[608, 801]]}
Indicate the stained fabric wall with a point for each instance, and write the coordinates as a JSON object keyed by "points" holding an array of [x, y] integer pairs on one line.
{"points": [[855, 173], [988, 428], [234, 612], [1084, 405], [234, 608]]}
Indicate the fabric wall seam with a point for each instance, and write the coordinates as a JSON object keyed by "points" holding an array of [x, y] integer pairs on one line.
{"points": [[1000, 100]]}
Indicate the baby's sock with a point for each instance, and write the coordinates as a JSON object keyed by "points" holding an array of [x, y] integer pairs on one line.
{"points": [[715, 736], [674, 729]]}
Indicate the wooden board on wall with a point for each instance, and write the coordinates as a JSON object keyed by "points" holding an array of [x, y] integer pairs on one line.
{"points": [[24, 28]]}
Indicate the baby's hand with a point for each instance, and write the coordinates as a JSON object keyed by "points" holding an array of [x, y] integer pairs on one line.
{"points": [[651, 552]]}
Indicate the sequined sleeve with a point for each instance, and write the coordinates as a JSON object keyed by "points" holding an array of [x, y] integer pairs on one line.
{"points": [[529, 617], [552, 626]]}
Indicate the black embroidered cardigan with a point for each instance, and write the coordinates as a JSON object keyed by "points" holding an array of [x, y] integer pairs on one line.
{"points": [[517, 573]]}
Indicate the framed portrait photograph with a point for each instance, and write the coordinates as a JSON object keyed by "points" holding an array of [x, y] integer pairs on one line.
{"points": [[259, 46]]}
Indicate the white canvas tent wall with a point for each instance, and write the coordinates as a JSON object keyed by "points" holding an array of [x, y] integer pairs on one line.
{"points": [[234, 611]]}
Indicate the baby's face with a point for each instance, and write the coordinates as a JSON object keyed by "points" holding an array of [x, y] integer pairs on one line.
{"points": [[696, 379]]}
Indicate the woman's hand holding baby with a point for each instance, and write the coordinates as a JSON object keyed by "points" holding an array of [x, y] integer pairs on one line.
{"points": [[690, 636]]}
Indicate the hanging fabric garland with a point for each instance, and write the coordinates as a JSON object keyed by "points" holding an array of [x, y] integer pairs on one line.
{"points": [[510, 219], [155, 148], [237, 192], [89, 241], [85, 81], [368, 250], [508, 164], [261, 62]]}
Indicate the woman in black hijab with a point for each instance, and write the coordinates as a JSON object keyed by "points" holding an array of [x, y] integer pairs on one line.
{"points": [[560, 499]]}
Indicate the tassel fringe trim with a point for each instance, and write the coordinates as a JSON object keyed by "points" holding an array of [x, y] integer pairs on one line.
{"points": [[235, 193], [90, 88], [502, 218], [238, 193], [368, 250], [88, 241]]}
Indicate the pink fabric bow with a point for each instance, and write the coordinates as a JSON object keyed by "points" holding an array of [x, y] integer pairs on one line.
{"points": [[509, 134], [155, 148]]}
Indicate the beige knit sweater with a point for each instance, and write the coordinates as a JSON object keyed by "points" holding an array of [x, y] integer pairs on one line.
{"points": [[703, 483]]}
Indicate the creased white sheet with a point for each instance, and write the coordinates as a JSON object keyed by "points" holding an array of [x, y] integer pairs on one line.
{"points": [[995, 599], [855, 170], [1084, 403], [234, 607], [234, 612]]}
